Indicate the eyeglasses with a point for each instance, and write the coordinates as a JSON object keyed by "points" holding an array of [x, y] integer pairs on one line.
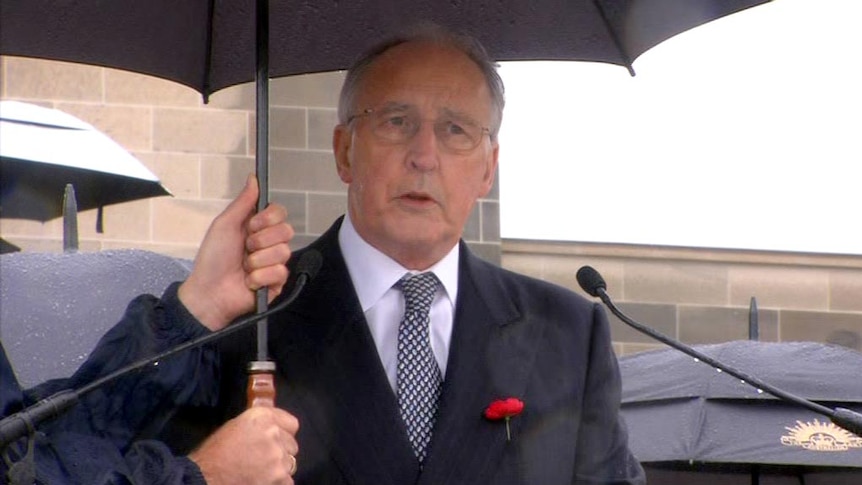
{"points": [[400, 125]]}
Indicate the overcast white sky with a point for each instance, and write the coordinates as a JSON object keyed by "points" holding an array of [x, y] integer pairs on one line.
{"points": [[742, 133]]}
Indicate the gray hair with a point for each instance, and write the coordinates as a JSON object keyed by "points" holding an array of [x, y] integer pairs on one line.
{"points": [[438, 35]]}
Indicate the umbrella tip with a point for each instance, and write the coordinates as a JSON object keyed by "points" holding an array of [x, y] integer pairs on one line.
{"points": [[70, 220], [753, 321]]}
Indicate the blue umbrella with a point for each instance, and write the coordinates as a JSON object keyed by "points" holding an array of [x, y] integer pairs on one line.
{"points": [[55, 307]]}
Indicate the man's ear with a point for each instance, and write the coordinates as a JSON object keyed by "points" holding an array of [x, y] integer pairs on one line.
{"points": [[341, 143], [490, 170]]}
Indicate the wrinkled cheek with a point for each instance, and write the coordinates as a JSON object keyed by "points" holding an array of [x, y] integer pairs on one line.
{"points": [[462, 214]]}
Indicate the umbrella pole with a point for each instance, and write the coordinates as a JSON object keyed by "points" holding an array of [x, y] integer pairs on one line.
{"points": [[261, 388], [753, 325], [70, 220]]}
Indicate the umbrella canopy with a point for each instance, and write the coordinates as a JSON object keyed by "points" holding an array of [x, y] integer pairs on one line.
{"points": [[42, 150], [685, 415], [211, 44], [55, 307]]}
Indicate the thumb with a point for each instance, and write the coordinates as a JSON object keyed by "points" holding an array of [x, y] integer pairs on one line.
{"points": [[245, 203]]}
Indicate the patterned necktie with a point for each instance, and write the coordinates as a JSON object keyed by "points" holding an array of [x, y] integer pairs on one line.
{"points": [[419, 377]]}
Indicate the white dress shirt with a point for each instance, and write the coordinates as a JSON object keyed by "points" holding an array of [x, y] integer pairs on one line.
{"points": [[374, 275]]}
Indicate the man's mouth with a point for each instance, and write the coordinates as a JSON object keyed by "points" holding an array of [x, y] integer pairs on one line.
{"points": [[417, 200], [418, 197]]}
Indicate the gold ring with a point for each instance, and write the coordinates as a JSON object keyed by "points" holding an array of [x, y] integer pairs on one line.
{"points": [[292, 464]]}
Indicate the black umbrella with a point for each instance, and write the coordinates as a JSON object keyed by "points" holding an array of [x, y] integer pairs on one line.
{"points": [[42, 150], [688, 421], [55, 307], [212, 44], [7, 247]]}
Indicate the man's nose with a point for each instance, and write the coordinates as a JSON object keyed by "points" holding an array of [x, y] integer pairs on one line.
{"points": [[424, 148]]}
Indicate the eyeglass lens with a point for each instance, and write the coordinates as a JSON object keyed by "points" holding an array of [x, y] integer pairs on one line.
{"points": [[401, 125]]}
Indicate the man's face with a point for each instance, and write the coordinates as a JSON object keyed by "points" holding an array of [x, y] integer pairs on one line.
{"points": [[411, 198]]}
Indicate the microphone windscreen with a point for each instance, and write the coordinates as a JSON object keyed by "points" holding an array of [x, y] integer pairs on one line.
{"points": [[591, 281], [310, 263]]}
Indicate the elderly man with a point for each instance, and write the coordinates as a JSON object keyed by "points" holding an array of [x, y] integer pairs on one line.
{"points": [[394, 351]]}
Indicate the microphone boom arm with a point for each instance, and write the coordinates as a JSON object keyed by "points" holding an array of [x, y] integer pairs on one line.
{"points": [[850, 420]]}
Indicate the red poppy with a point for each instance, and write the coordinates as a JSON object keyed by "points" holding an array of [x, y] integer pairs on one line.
{"points": [[504, 409]]}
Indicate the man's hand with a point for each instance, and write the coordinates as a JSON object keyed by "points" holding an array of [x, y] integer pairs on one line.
{"points": [[241, 252], [258, 447]]}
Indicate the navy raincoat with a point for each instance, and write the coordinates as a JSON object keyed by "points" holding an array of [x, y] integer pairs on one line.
{"points": [[97, 441]]}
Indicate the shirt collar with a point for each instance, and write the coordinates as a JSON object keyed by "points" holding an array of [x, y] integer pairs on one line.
{"points": [[374, 273]]}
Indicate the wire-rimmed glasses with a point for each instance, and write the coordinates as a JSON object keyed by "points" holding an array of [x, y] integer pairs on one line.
{"points": [[399, 125]]}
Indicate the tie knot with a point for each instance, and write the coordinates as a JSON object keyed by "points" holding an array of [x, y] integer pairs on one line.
{"points": [[419, 290]]}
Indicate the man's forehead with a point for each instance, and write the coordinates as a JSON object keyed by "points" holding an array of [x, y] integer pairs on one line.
{"points": [[425, 67], [433, 77], [429, 98]]}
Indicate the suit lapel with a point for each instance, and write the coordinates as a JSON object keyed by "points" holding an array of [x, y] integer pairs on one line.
{"points": [[335, 381], [490, 358]]}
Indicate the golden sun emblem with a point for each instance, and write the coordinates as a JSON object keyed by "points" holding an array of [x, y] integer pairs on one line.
{"points": [[819, 436]]}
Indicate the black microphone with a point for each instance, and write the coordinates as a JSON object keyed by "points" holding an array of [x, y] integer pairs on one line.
{"points": [[21, 423], [593, 283]]}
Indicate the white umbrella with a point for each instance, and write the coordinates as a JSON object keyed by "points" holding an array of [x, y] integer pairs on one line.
{"points": [[43, 149]]}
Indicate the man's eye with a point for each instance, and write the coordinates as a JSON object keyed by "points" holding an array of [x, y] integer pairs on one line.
{"points": [[455, 129], [396, 121]]}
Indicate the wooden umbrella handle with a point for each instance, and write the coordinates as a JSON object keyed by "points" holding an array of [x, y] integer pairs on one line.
{"points": [[261, 384]]}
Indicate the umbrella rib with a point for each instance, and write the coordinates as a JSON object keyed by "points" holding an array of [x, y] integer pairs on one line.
{"points": [[207, 78], [615, 38], [40, 124]]}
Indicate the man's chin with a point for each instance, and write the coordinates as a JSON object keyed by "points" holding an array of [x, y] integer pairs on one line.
{"points": [[421, 239]]}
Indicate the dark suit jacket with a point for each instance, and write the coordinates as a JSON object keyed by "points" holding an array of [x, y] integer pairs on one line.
{"points": [[513, 337]]}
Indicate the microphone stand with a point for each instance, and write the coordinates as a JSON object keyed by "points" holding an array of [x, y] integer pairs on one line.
{"points": [[25, 421], [592, 282]]}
